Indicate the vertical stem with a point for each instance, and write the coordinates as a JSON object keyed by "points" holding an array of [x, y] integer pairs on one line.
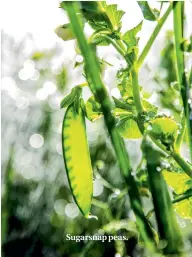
{"points": [[136, 90], [178, 19], [166, 220], [92, 70], [153, 36]]}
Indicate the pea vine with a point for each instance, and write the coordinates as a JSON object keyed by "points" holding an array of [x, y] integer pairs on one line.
{"points": [[131, 116]]}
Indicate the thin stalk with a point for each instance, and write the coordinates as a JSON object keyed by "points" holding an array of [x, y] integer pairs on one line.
{"points": [[153, 36], [117, 47], [136, 90], [182, 197], [178, 18], [166, 220], [178, 32], [181, 134], [106, 183], [101, 95], [186, 166]]}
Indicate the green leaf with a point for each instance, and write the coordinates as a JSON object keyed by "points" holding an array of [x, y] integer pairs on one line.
{"points": [[184, 208], [164, 129], [180, 183], [113, 14], [149, 108], [100, 15], [70, 98], [125, 84], [130, 37], [65, 32], [128, 128], [148, 13], [164, 125], [77, 159], [122, 105], [93, 109]]}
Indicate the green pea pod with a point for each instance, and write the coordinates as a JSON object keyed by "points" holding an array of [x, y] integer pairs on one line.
{"points": [[77, 158]]}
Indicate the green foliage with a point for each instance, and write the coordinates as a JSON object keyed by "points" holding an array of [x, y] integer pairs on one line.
{"points": [[129, 116], [180, 183], [128, 129], [148, 13], [93, 109], [124, 105], [130, 37], [150, 109], [125, 84], [165, 129], [100, 15]]}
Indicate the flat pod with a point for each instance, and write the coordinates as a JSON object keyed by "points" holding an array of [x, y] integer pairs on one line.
{"points": [[77, 159]]}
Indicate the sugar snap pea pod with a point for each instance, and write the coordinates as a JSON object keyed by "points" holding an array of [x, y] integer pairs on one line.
{"points": [[77, 158]]}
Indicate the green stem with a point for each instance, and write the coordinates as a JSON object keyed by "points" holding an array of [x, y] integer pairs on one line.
{"points": [[186, 166], [97, 87], [165, 216], [178, 199], [178, 32], [182, 197], [116, 45], [153, 36], [178, 17], [181, 134], [136, 90], [106, 183]]}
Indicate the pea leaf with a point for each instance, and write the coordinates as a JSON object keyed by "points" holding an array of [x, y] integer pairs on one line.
{"points": [[128, 129], [100, 15], [164, 129], [113, 14], [164, 125], [148, 13], [93, 109], [149, 108], [122, 105], [77, 159], [180, 183], [130, 37], [125, 84]]}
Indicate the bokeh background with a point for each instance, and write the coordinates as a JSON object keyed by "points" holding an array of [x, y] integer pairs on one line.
{"points": [[37, 72]]}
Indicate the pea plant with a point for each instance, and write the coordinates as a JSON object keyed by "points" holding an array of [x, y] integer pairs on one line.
{"points": [[131, 116]]}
